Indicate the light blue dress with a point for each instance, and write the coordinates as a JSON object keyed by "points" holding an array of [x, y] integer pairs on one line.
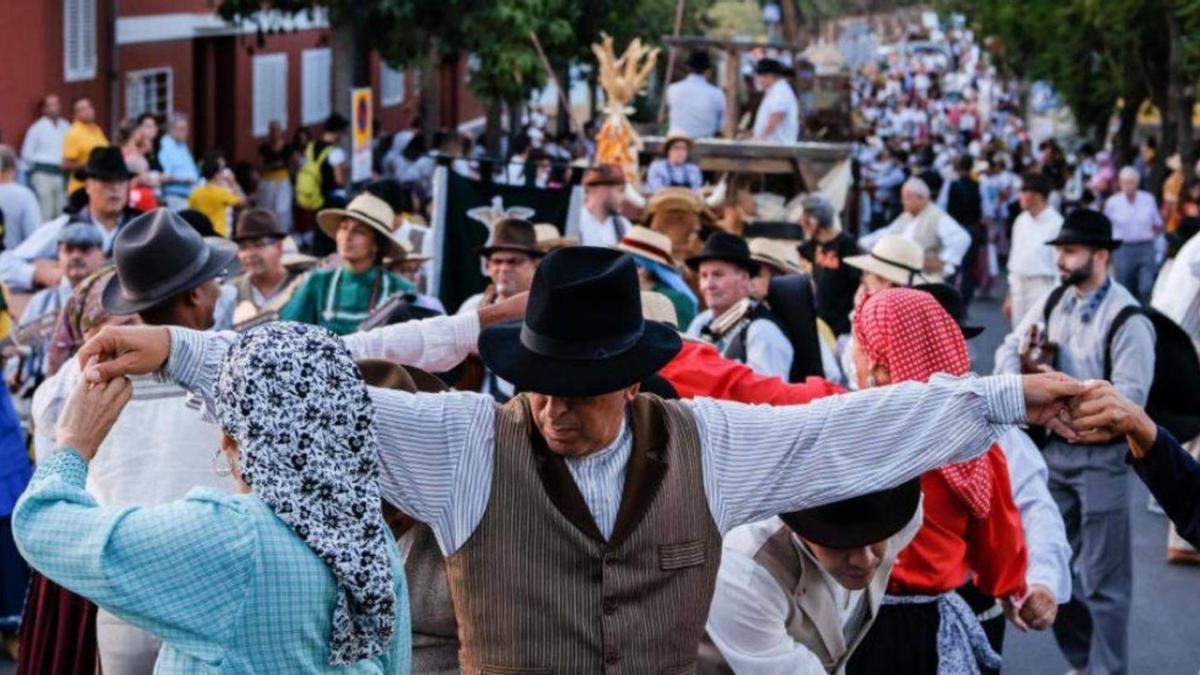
{"points": [[226, 585]]}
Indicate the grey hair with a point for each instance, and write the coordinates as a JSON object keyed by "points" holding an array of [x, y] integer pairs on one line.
{"points": [[178, 117], [1130, 172], [819, 209], [917, 186], [8, 158]]}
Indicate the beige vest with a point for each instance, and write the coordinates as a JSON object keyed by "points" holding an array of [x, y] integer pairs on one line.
{"points": [[813, 619], [537, 589]]}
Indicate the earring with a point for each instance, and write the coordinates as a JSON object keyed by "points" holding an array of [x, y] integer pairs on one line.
{"points": [[221, 464]]}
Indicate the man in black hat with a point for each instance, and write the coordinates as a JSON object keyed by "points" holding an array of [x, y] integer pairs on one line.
{"points": [[695, 106], [772, 609], [1090, 484], [33, 264], [778, 116], [742, 329], [582, 521]]}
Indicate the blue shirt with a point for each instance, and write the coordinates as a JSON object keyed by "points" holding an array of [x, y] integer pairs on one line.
{"points": [[226, 585], [663, 174], [177, 162], [696, 107]]}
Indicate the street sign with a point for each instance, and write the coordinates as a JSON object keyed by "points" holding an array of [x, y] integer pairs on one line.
{"points": [[360, 150]]}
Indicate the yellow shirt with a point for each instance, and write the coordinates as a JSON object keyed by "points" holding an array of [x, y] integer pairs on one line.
{"points": [[81, 139], [214, 201]]}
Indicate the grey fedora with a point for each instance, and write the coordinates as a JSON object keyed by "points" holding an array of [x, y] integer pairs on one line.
{"points": [[157, 256]]}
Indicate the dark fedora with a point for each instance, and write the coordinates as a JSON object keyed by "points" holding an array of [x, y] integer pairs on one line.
{"points": [[257, 224], [728, 247], [770, 66], [512, 234], [159, 255], [583, 332], [858, 521], [952, 301], [105, 163], [1088, 227]]}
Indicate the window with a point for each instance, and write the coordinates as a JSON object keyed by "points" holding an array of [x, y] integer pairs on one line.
{"points": [[391, 85], [270, 91], [79, 40], [148, 91], [315, 101]]}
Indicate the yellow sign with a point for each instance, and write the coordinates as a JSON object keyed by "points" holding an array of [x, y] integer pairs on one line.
{"points": [[361, 123]]}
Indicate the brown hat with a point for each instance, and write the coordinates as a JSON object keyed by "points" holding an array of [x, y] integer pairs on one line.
{"points": [[387, 375], [603, 174], [512, 234], [256, 224]]}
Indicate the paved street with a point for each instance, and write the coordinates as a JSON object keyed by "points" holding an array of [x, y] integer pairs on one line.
{"points": [[1164, 623]]}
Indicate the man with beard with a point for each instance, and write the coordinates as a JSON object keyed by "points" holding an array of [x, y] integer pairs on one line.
{"points": [[600, 220], [1071, 324]]}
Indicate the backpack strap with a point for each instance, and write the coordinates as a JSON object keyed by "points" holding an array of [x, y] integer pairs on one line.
{"points": [[1052, 301], [1122, 316]]}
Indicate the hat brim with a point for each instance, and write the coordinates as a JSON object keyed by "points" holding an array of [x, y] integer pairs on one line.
{"points": [[84, 174], [505, 355], [969, 331], [1107, 244], [222, 253], [263, 235], [751, 266], [896, 275], [840, 533], [488, 250], [329, 219]]}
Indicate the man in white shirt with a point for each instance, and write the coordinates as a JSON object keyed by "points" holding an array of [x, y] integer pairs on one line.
{"points": [[695, 106], [743, 330], [778, 116], [796, 593], [943, 240], [1032, 270], [42, 152], [600, 220], [22, 213]]}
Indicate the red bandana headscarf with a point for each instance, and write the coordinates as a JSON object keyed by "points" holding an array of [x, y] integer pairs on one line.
{"points": [[909, 333]]}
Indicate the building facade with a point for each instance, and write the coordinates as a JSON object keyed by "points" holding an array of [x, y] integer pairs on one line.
{"points": [[169, 56]]}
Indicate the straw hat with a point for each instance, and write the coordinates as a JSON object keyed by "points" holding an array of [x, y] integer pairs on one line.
{"points": [[894, 258], [677, 135], [658, 307], [369, 210], [780, 255], [549, 238], [644, 242]]}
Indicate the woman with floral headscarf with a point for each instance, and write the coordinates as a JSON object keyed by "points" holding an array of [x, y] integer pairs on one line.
{"points": [[298, 573], [971, 524]]}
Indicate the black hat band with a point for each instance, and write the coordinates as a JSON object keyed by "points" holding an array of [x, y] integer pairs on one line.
{"points": [[911, 272], [578, 350]]}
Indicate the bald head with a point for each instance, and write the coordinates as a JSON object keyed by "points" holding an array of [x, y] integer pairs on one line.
{"points": [[914, 195]]}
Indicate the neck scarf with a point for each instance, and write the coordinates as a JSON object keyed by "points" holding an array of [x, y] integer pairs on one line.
{"points": [[908, 332], [294, 401]]}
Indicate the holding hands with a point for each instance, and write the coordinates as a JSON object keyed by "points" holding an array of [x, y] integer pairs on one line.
{"points": [[90, 414]]}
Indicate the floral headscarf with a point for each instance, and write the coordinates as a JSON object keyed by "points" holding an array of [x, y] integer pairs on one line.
{"points": [[907, 331], [294, 401], [83, 312]]}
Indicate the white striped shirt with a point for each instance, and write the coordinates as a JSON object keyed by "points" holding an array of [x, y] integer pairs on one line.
{"points": [[436, 450]]}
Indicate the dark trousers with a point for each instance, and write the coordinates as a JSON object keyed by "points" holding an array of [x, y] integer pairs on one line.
{"points": [[902, 641]]}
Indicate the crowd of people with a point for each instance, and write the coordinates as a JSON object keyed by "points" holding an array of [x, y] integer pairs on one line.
{"points": [[262, 444]]}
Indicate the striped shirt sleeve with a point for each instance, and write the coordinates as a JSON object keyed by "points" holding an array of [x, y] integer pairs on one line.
{"points": [[435, 344], [760, 461]]}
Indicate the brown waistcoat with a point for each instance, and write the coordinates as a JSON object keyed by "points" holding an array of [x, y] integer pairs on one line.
{"points": [[537, 589]]}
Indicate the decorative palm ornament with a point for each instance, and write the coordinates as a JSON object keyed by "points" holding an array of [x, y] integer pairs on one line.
{"points": [[622, 79]]}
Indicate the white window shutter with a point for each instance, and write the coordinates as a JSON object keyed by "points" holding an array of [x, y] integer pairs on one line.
{"points": [[391, 85], [316, 70], [79, 40], [270, 91]]}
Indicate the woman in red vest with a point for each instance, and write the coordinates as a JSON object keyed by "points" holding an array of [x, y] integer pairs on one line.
{"points": [[971, 525]]}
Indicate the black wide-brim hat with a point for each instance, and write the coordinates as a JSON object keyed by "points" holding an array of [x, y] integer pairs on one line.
{"points": [[159, 255], [583, 332], [727, 247], [1088, 227], [858, 521], [105, 163]]}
